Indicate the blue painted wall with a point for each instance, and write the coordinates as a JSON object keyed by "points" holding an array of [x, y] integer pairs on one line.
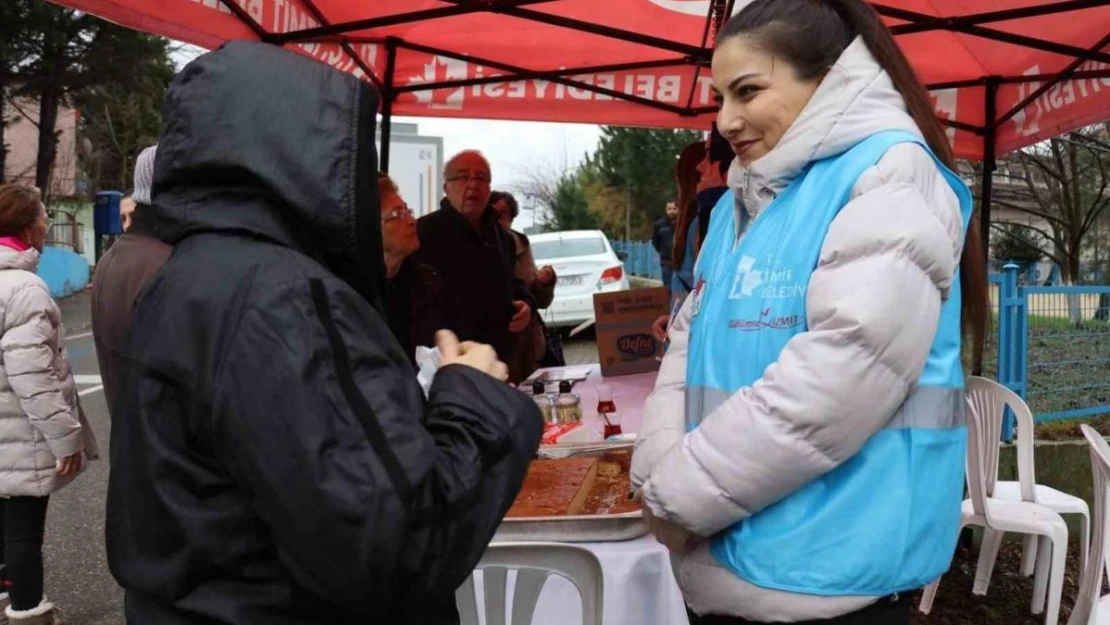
{"points": [[64, 271]]}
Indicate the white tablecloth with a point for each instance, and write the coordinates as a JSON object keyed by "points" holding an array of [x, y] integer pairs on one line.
{"points": [[629, 393], [640, 588]]}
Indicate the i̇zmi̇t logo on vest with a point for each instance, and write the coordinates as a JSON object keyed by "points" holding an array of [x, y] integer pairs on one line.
{"points": [[782, 295]]}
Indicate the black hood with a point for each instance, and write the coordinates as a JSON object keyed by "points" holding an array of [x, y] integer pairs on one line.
{"points": [[263, 142]]}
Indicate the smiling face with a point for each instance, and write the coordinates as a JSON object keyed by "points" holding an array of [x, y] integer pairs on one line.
{"points": [[759, 96], [467, 184]]}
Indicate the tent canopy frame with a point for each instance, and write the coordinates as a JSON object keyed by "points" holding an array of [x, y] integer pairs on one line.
{"points": [[975, 24]]}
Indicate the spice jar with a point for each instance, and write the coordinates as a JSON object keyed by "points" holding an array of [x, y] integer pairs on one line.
{"points": [[540, 396], [568, 408]]}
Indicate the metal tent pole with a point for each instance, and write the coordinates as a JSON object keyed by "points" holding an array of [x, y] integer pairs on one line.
{"points": [[989, 163], [388, 95], [987, 186]]}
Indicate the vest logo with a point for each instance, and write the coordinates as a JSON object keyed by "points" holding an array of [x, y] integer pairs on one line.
{"points": [[747, 279], [773, 281], [766, 320], [686, 7], [636, 345], [767, 278], [439, 69]]}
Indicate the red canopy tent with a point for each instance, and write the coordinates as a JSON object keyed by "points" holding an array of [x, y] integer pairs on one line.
{"points": [[1004, 73]]}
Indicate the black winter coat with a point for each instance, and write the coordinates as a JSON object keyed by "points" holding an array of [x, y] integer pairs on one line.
{"points": [[476, 267], [273, 458], [662, 239]]}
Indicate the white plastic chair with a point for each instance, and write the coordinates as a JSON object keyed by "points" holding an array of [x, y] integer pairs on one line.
{"points": [[534, 563], [1090, 608], [986, 401], [998, 397]]}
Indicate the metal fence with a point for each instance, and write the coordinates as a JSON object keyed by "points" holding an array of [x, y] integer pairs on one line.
{"points": [[640, 258], [1044, 273], [1054, 346], [64, 231]]}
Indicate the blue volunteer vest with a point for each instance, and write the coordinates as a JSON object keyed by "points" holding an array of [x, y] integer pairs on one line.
{"points": [[887, 519]]}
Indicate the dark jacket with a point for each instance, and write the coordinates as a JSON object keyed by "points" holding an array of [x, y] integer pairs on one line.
{"points": [[706, 200], [413, 305], [273, 457], [524, 266], [529, 346], [476, 267], [120, 275], [662, 238]]}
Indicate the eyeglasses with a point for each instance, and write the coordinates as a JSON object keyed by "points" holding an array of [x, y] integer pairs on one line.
{"points": [[478, 179], [397, 213]]}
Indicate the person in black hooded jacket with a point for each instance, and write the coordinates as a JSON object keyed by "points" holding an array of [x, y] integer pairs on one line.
{"points": [[273, 458]]}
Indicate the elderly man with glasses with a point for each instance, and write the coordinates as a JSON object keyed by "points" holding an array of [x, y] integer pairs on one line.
{"points": [[482, 300]]}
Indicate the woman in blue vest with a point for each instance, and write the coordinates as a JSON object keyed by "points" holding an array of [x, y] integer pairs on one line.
{"points": [[803, 451]]}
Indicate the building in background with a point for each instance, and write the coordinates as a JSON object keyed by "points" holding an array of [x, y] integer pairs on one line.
{"points": [[68, 255], [22, 139], [416, 165]]}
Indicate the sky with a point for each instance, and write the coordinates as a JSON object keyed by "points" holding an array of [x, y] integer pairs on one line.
{"points": [[549, 147]]}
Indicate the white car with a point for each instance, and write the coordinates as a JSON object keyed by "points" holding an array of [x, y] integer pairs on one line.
{"points": [[586, 264]]}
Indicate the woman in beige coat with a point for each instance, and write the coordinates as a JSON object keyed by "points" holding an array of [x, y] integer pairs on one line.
{"points": [[44, 440]]}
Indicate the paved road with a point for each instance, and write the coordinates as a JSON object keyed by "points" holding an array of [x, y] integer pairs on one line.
{"points": [[77, 576]]}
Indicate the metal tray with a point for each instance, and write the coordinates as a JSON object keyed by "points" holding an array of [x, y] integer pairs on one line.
{"points": [[573, 529], [601, 448], [581, 528]]}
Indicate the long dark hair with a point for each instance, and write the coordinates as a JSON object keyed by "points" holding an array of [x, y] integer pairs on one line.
{"points": [[810, 35], [686, 175]]}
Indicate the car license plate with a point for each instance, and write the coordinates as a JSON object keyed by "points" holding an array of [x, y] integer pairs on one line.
{"points": [[570, 281]]}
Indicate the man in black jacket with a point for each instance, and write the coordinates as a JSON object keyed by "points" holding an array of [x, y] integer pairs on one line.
{"points": [[662, 239], [473, 256], [273, 457]]}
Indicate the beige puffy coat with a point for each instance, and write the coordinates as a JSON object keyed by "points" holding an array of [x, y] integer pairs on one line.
{"points": [[901, 235], [40, 417]]}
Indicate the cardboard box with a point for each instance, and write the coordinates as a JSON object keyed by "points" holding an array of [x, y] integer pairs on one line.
{"points": [[625, 343]]}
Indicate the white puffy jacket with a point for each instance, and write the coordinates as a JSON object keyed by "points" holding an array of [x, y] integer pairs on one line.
{"points": [[40, 417], [900, 234]]}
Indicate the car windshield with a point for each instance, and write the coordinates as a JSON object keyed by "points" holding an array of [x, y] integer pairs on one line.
{"points": [[564, 248]]}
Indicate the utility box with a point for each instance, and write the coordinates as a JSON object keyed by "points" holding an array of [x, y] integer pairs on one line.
{"points": [[107, 219]]}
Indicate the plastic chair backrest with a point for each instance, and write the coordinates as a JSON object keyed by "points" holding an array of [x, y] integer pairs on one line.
{"points": [[533, 562], [987, 401], [1090, 586]]}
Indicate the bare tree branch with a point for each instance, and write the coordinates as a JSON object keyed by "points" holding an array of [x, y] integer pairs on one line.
{"points": [[1045, 251], [19, 109], [1047, 216]]}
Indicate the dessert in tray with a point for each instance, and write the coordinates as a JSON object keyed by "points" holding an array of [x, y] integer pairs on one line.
{"points": [[576, 486]]}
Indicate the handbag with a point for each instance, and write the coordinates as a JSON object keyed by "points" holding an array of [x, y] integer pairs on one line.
{"points": [[553, 347]]}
